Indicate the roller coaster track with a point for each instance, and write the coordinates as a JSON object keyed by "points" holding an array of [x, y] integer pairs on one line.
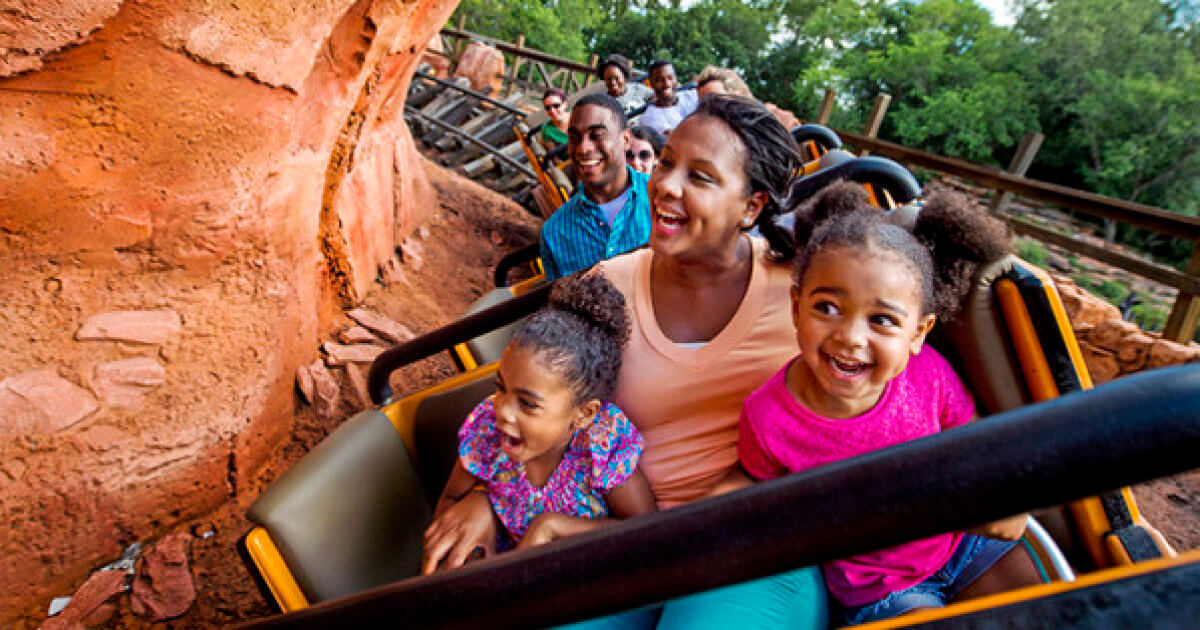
{"points": [[470, 132]]}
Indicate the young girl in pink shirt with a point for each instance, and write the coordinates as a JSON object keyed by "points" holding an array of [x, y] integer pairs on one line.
{"points": [[867, 292]]}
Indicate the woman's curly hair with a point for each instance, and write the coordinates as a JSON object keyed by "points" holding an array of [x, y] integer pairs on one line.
{"points": [[772, 158], [950, 239], [580, 335]]}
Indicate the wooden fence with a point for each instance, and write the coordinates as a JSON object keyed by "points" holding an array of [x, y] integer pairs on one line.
{"points": [[1185, 312], [542, 71], [526, 68]]}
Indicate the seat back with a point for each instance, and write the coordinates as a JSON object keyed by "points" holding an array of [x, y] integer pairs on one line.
{"points": [[487, 348], [351, 514], [435, 431], [1014, 346]]}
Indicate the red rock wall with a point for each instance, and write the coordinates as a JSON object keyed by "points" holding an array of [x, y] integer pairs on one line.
{"points": [[1111, 346], [189, 190]]}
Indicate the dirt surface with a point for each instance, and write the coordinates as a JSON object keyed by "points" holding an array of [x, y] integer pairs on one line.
{"points": [[446, 265]]}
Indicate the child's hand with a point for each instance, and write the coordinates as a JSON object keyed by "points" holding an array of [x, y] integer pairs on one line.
{"points": [[464, 526], [546, 527], [1009, 528]]}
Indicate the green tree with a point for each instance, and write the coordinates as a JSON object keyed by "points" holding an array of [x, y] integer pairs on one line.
{"points": [[1119, 96]]}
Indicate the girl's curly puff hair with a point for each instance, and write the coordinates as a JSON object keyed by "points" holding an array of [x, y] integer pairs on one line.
{"points": [[950, 239], [580, 335]]}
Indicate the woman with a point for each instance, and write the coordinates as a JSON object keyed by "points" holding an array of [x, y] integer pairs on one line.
{"points": [[614, 71], [645, 145], [554, 131], [711, 322]]}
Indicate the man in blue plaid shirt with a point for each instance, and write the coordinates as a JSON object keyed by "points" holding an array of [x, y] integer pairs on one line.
{"points": [[610, 214]]}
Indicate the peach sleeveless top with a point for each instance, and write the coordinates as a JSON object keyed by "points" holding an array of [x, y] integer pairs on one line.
{"points": [[686, 402]]}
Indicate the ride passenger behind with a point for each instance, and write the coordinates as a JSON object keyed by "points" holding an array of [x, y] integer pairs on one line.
{"points": [[554, 131], [645, 146], [610, 213], [866, 294], [718, 80], [669, 106], [554, 457], [615, 71]]}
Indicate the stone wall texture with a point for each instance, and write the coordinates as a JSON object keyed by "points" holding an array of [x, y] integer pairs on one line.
{"points": [[190, 190]]}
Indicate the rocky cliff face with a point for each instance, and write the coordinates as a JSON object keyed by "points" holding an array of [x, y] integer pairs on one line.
{"points": [[189, 190]]}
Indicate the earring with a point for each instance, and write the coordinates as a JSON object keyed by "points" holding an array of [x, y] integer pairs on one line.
{"points": [[748, 223]]}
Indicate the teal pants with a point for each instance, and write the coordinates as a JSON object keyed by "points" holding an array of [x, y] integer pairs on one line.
{"points": [[795, 600]]}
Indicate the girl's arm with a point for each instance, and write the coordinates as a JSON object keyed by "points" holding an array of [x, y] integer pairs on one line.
{"points": [[457, 486], [1009, 528], [632, 498], [462, 521]]}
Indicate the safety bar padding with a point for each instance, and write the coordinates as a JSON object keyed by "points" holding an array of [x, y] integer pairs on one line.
{"points": [[977, 343], [350, 515]]}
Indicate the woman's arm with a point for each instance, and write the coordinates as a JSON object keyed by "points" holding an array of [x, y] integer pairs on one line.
{"points": [[735, 479], [632, 498], [463, 521]]}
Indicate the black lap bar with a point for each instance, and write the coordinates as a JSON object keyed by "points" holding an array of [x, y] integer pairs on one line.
{"points": [[1140, 427]]}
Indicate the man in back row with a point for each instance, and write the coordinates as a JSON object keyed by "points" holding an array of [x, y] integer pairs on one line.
{"points": [[669, 107], [610, 213]]}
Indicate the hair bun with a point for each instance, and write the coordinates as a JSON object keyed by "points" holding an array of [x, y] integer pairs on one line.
{"points": [[592, 298]]}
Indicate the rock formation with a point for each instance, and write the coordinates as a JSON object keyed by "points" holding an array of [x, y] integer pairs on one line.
{"points": [[190, 190]]}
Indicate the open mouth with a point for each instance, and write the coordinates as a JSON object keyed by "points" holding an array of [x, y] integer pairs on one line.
{"points": [[669, 221], [588, 164], [847, 369], [510, 442]]}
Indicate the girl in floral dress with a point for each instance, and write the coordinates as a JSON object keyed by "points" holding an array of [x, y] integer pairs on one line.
{"points": [[554, 457]]}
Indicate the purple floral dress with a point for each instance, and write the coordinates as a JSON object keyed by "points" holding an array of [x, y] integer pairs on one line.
{"points": [[598, 459]]}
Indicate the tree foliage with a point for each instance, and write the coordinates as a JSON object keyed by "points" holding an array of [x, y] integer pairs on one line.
{"points": [[1114, 84]]}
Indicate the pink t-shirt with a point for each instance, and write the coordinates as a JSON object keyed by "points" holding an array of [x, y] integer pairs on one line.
{"points": [[778, 435]]}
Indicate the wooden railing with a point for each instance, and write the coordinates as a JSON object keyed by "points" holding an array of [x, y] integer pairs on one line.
{"points": [[1182, 323], [531, 70], [1185, 312]]}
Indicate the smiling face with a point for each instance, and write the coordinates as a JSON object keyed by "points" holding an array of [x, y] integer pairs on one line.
{"points": [[556, 109], [536, 411], [597, 146], [858, 318], [699, 194], [614, 81], [641, 155], [662, 79]]}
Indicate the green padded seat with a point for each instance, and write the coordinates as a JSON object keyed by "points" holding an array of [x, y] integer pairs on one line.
{"points": [[350, 515]]}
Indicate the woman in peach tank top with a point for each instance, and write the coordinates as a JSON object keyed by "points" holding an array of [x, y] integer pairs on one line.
{"points": [[710, 323]]}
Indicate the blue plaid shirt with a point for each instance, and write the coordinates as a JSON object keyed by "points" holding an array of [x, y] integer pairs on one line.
{"points": [[577, 236]]}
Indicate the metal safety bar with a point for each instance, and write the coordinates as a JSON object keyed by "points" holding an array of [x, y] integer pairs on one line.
{"points": [[493, 151], [468, 91], [448, 336], [1139, 427]]}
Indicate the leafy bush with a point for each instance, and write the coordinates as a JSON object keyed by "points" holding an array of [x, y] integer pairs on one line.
{"points": [[1031, 251], [1150, 316], [1113, 291]]}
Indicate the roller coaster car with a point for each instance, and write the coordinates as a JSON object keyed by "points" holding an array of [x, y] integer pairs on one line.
{"points": [[814, 141], [554, 188], [350, 515]]}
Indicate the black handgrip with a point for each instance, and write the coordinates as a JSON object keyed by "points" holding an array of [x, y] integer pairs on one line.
{"points": [[820, 134], [512, 260], [448, 336], [1139, 427], [865, 170]]}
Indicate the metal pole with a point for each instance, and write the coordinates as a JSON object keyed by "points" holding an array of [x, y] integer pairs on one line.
{"points": [[487, 99], [473, 140]]}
